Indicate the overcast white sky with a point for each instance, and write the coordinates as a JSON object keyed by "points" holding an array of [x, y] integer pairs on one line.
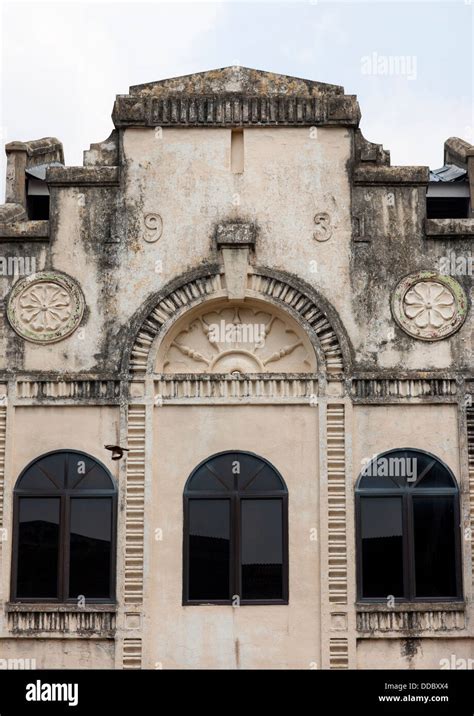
{"points": [[63, 63]]}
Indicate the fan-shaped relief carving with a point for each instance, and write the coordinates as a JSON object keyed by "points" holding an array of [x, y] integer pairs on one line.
{"points": [[236, 338], [327, 334]]}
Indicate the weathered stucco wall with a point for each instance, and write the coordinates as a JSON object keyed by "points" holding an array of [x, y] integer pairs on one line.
{"points": [[37, 430], [59, 653], [415, 653], [283, 636], [264, 185], [377, 428], [99, 237]]}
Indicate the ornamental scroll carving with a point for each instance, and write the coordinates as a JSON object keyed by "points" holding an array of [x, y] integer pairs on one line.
{"points": [[237, 339], [45, 307]]}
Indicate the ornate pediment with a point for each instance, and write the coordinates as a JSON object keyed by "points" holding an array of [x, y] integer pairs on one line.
{"points": [[235, 96], [236, 338], [242, 80]]}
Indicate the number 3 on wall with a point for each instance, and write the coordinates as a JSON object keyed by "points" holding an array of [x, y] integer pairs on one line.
{"points": [[323, 226]]}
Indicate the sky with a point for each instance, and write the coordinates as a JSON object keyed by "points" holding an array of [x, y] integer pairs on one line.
{"points": [[409, 63]]}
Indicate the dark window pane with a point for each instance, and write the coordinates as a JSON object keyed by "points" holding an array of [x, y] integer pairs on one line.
{"points": [[391, 470], [432, 473], [90, 544], [263, 479], [85, 474], [262, 549], [45, 474], [250, 468], [207, 480], [38, 547], [35, 479], [224, 466], [435, 549], [382, 546], [371, 480], [405, 468], [209, 549]]}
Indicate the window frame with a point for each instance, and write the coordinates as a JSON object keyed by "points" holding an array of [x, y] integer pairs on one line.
{"points": [[64, 495], [407, 493], [234, 498]]}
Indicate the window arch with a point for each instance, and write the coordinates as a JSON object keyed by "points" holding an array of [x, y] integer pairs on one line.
{"points": [[235, 532], [408, 528], [64, 530]]}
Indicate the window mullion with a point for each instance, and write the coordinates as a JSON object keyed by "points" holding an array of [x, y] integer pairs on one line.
{"points": [[285, 546], [236, 587], [65, 546], [16, 545], [458, 545], [408, 497]]}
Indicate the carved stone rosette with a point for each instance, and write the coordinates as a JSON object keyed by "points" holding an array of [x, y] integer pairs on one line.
{"points": [[429, 306], [45, 307]]}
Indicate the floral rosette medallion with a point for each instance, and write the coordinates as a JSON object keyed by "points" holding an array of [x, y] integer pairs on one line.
{"points": [[45, 307], [429, 306]]}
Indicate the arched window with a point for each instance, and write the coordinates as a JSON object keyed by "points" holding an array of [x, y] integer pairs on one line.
{"points": [[408, 527], [235, 532], [64, 530]]}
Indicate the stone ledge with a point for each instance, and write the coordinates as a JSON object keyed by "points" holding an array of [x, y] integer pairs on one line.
{"points": [[25, 231], [389, 176], [459, 606], [83, 176], [366, 151], [38, 148], [91, 621], [53, 607], [105, 391], [410, 619], [222, 387], [235, 109], [444, 228], [367, 390], [12, 212]]}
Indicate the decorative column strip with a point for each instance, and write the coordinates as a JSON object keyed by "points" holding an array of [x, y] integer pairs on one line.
{"points": [[132, 653], [7, 481], [470, 450], [4, 518], [338, 652], [135, 507], [3, 432], [129, 643], [337, 525]]}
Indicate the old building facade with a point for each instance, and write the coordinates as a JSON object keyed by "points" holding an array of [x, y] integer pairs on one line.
{"points": [[244, 301]]}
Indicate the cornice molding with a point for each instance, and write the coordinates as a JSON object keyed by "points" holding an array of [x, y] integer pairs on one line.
{"points": [[235, 110]]}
